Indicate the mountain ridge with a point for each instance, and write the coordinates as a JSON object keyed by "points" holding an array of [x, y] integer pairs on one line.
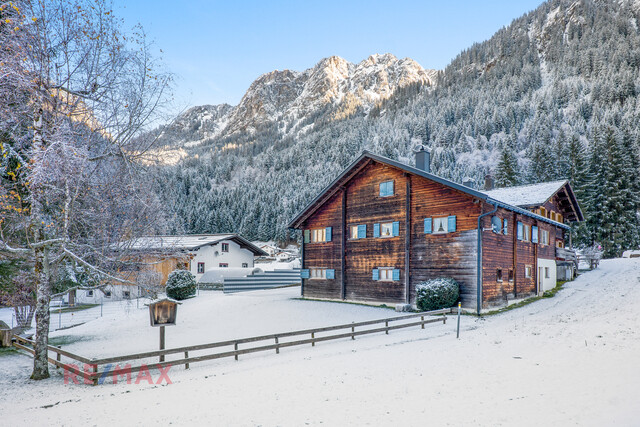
{"points": [[284, 98]]}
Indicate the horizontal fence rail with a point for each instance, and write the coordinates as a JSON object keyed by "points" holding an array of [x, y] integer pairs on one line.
{"points": [[311, 337], [260, 281]]}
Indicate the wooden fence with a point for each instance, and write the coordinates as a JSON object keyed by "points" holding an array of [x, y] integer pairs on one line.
{"points": [[93, 373]]}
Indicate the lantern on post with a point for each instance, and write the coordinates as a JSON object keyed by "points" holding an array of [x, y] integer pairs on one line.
{"points": [[163, 313]]}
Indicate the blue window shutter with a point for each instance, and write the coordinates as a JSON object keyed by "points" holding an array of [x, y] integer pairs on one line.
{"points": [[376, 274], [330, 274], [520, 231], [505, 229], [396, 228], [396, 275], [306, 236], [328, 234], [534, 234], [428, 225], [376, 230], [304, 274], [386, 188], [362, 231], [451, 224]]}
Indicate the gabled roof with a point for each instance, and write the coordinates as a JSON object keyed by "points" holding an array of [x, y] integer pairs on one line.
{"points": [[533, 195], [366, 158], [527, 195], [188, 242]]}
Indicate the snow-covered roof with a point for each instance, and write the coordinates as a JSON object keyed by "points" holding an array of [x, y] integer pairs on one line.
{"points": [[187, 242], [526, 195]]}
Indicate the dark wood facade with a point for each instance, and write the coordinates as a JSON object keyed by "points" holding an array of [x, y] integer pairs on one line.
{"points": [[413, 254]]}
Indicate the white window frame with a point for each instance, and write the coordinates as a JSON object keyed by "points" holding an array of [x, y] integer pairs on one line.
{"points": [[90, 292], [126, 294], [225, 247], [198, 268], [385, 274], [388, 228], [245, 265], [353, 232], [223, 265], [317, 274], [546, 273], [526, 232], [107, 294], [318, 235], [499, 275], [528, 270], [544, 237], [440, 222]]}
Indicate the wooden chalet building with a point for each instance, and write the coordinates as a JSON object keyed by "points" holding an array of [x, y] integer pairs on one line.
{"points": [[382, 227]]}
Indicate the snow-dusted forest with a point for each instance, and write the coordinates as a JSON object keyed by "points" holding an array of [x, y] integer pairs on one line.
{"points": [[553, 95]]}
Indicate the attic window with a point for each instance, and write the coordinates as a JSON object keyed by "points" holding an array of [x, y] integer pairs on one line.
{"points": [[225, 247], [386, 189]]}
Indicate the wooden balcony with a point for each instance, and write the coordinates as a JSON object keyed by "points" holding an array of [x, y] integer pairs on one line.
{"points": [[565, 254]]}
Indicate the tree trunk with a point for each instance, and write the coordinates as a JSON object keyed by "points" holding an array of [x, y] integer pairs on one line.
{"points": [[40, 359], [43, 292]]}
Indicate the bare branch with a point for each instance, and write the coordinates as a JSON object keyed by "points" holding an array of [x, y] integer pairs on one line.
{"points": [[96, 269]]}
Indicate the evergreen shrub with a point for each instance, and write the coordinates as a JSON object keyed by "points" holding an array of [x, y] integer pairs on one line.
{"points": [[181, 284], [435, 294]]}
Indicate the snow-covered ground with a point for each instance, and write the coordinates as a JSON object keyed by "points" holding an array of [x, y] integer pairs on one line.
{"points": [[569, 360]]}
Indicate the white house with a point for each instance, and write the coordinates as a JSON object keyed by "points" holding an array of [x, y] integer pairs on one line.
{"points": [[269, 249], [206, 251], [197, 253]]}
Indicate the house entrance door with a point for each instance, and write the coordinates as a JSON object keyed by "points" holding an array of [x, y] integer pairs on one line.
{"points": [[540, 279]]}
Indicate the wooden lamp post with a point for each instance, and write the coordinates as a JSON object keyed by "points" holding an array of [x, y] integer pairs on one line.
{"points": [[163, 313]]}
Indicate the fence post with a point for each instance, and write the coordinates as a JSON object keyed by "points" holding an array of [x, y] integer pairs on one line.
{"points": [[458, 330], [101, 303], [386, 324], [235, 346], [95, 374], [353, 328], [277, 347], [60, 315], [313, 336], [422, 321], [162, 342], [186, 356], [58, 354]]}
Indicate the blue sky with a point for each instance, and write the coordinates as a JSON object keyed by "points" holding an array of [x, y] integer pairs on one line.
{"points": [[217, 48]]}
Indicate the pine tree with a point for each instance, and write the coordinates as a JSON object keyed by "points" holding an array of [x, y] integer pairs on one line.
{"points": [[507, 169]]}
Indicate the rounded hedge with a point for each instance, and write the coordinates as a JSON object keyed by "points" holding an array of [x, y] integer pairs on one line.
{"points": [[435, 294], [181, 284]]}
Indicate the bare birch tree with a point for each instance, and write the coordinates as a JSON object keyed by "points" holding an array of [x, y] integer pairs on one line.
{"points": [[75, 92]]}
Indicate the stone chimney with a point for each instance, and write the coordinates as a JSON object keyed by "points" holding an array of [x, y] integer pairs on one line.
{"points": [[488, 182], [423, 158]]}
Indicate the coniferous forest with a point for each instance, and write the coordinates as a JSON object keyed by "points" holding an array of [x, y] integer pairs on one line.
{"points": [[553, 95]]}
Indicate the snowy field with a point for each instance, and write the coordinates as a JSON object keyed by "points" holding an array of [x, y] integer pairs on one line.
{"points": [[569, 360]]}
